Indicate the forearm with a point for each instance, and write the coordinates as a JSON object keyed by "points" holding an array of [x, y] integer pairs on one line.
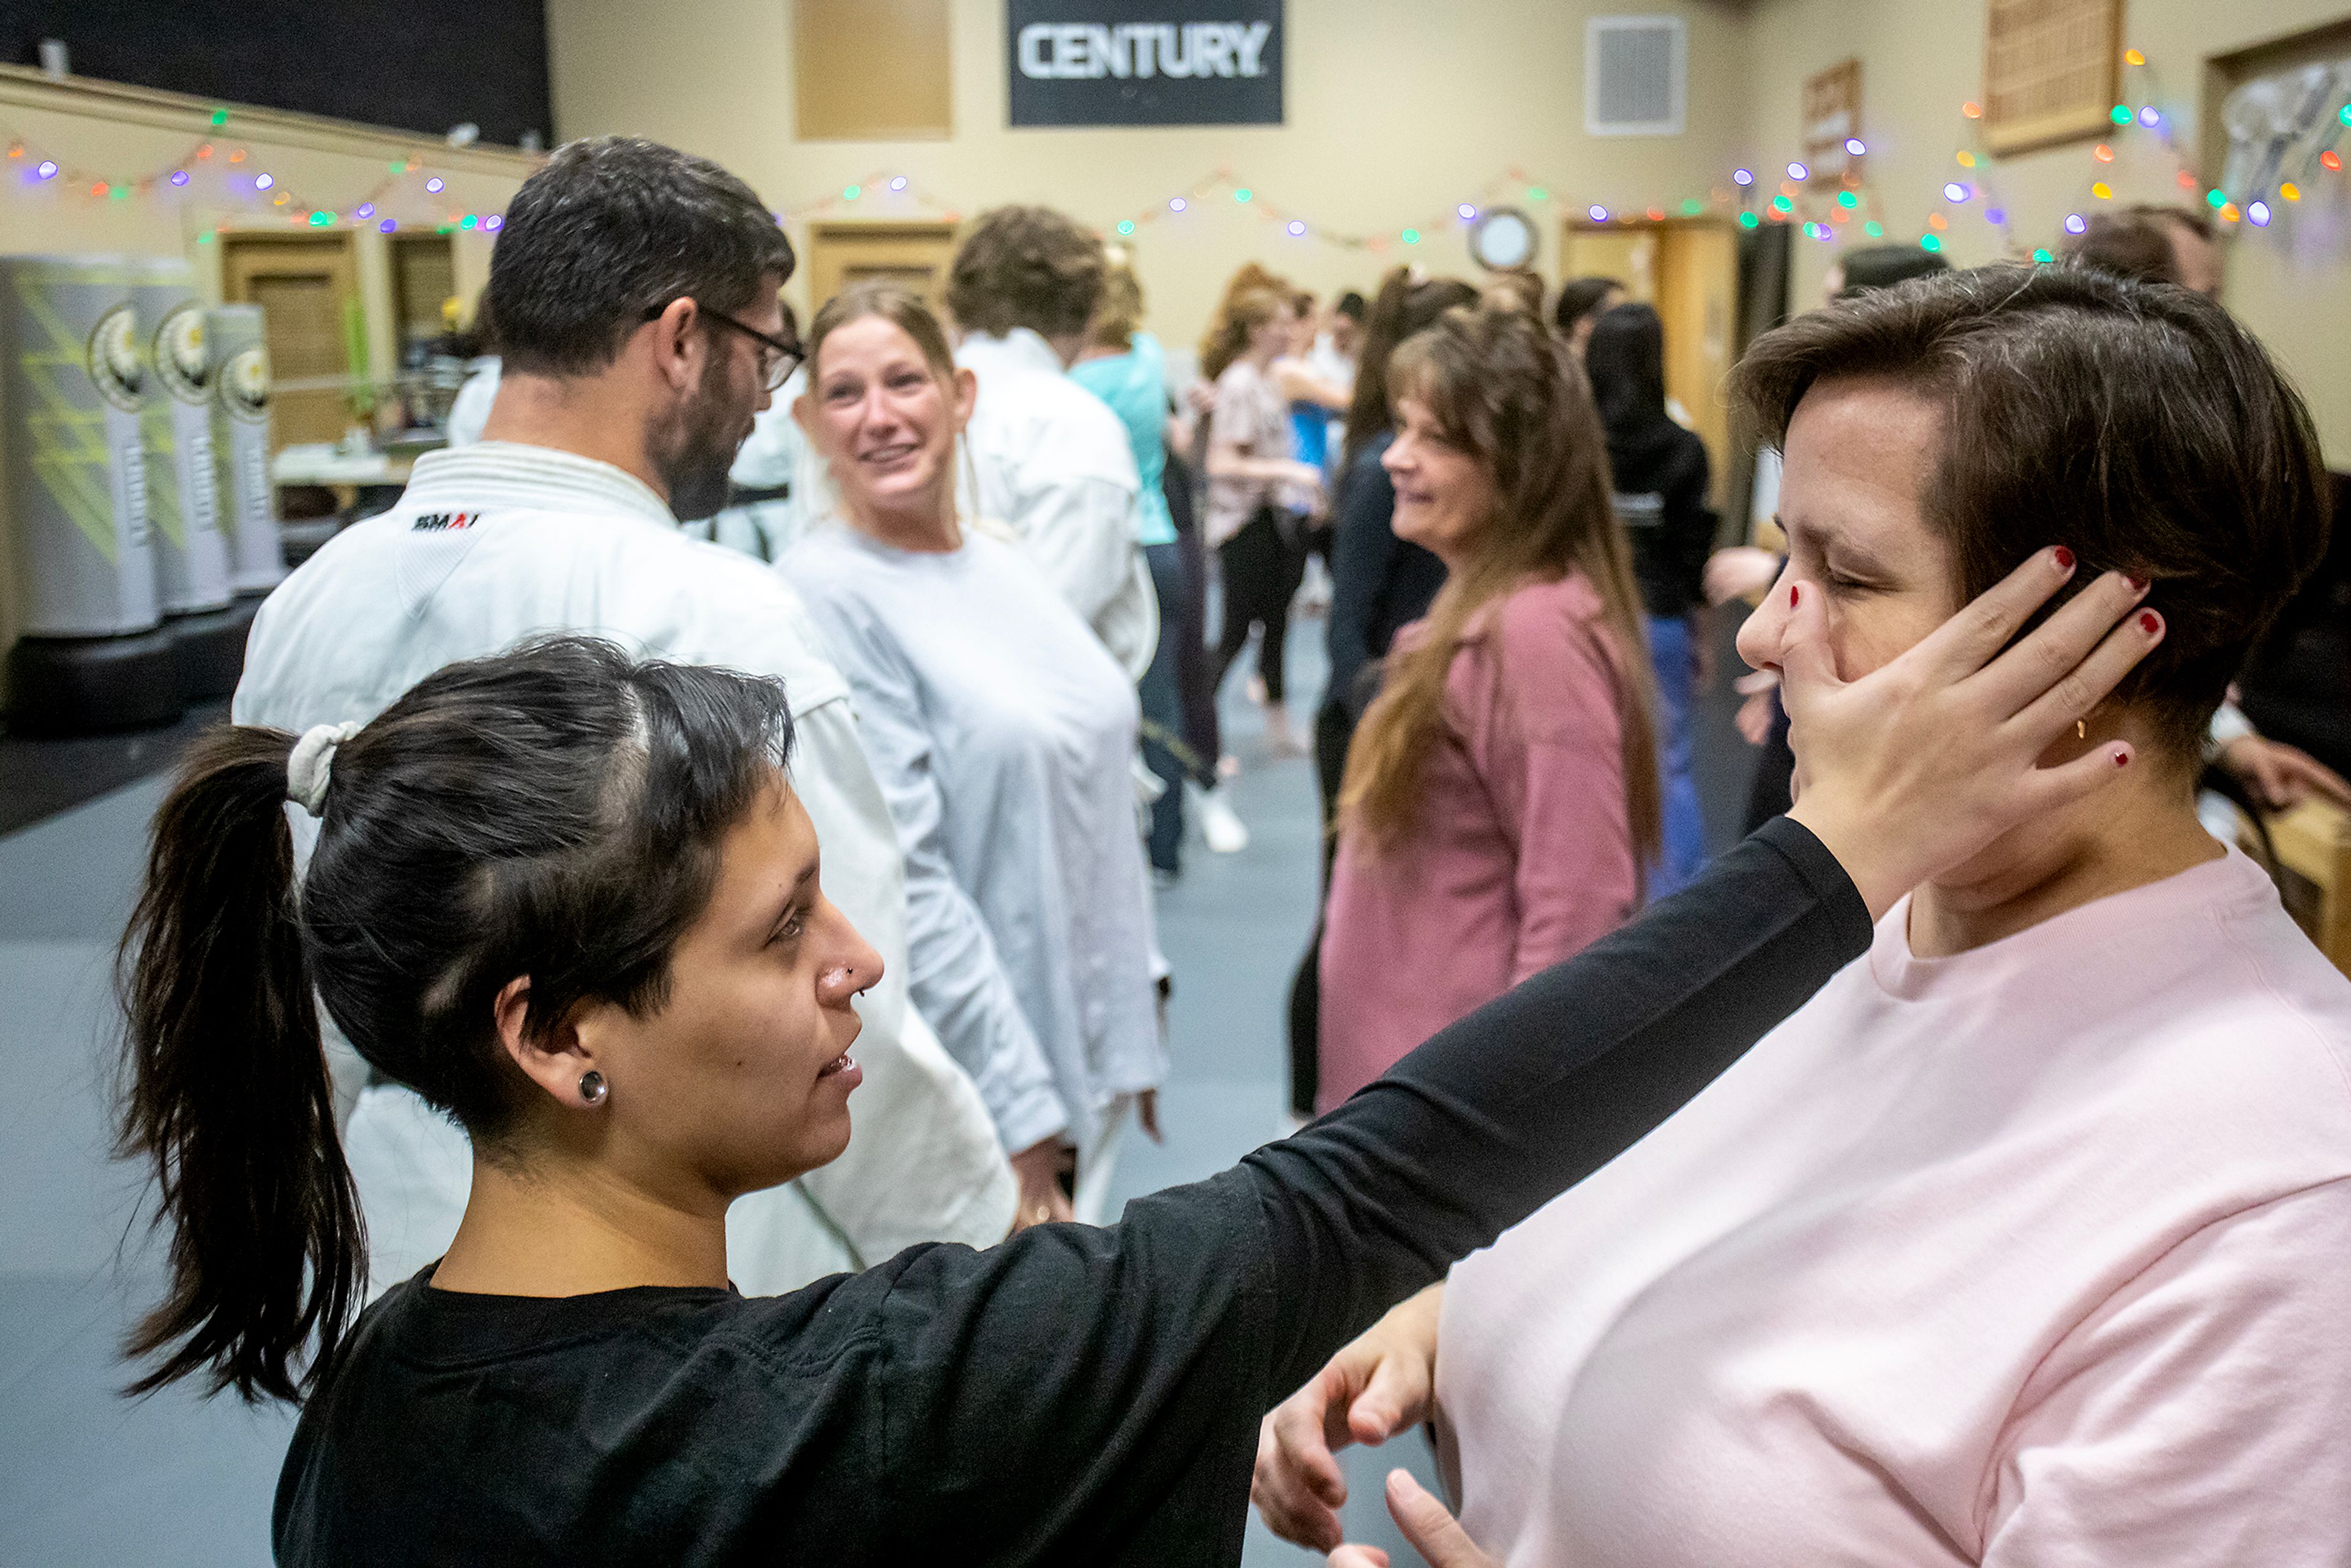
{"points": [[1525, 1097]]}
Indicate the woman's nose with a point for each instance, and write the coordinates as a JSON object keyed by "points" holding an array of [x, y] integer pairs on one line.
{"points": [[1759, 634], [853, 967]]}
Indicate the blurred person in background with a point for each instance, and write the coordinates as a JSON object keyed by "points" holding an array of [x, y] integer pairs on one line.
{"points": [[1501, 795], [1379, 583], [1579, 306], [1125, 367], [1051, 461], [1255, 486], [2151, 244], [1659, 476]]}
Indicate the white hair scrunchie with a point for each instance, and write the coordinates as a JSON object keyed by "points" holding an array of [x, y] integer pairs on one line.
{"points": [[308, 770]]}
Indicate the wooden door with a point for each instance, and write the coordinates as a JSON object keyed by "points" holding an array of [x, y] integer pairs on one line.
{"points": [[1689, 274], [308, 289], [1697, 300], [915, 255], [1628, 256], [423, 280]]}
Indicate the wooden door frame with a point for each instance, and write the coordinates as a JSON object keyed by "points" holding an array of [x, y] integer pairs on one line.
{"points": [[823, 272]]}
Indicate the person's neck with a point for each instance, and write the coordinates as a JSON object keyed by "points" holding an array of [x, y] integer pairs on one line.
{"points": [[926, 525], [566, 1226], [2129, 835], [590, 416]]}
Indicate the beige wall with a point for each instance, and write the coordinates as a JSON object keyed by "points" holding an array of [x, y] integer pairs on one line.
{"points": [[1396, 110], [1922, 59]]}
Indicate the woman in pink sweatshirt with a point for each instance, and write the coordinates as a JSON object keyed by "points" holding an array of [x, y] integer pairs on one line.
{"points": [[1502, 793], [2027, 1240]]}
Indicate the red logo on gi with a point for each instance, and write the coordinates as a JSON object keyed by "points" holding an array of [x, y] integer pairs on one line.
{"points": [[440, 522]]}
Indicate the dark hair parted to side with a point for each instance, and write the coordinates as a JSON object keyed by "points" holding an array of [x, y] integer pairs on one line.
{"points": [[1024, 267], [2138, 425], [554, 813], [612, 228]]}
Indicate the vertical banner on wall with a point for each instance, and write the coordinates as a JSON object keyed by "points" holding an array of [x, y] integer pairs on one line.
{"points": [[1145, 62]]}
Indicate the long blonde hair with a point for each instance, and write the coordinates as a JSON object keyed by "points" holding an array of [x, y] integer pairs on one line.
{"points": [[1503, 389]]}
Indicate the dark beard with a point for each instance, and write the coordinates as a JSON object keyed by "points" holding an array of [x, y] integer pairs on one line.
{"points": [[701, 449]]}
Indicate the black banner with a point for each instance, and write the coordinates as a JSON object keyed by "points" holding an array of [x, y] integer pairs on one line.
{"points": [[1145, 62]]}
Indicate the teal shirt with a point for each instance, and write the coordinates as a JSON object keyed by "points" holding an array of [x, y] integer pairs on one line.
{"points": [[1135, 384]]}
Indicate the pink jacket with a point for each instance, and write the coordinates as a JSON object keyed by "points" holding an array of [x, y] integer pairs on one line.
{"points": [[1521, 855]]}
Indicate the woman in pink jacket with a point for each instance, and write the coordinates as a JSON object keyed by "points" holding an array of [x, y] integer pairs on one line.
{"points": [[1502, 794]]}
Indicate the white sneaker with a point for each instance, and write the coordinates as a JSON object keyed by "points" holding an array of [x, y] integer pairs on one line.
{"points": [[1225, 833]]}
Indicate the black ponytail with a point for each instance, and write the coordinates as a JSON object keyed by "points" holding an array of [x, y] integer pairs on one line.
{"points": [[228, 1097]]}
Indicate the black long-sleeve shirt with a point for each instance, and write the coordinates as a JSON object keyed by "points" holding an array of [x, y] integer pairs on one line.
{"points": [[1379, 583], [1659, 471], [1076, 1394]]}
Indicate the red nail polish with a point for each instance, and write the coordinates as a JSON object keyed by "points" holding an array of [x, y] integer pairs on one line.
{"points": [[2138, 584], [1792, 596], [2064, 558], [2149, 621]]}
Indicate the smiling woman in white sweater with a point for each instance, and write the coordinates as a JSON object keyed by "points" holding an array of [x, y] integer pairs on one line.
{"points": [[2027, 1240], [1001, 731]]}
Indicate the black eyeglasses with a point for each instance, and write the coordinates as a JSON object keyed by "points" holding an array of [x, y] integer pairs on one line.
{"points": [[778, 361]]}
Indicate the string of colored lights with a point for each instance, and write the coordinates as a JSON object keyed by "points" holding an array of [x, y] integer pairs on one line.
{"points": [[233, 176], [1824, 208]]}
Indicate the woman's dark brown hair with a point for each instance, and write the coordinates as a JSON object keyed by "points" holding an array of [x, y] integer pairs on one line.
{"points": [[554, 813], [2135, 424], [1403, 307], [1502, 387], [1024, 267]]}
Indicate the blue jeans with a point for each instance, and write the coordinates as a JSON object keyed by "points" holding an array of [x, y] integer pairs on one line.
{"points": [[1675, 663], [1162, 708]]}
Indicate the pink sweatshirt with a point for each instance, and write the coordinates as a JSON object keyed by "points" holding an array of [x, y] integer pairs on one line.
{"points": [[1522, 855], [2040, 1254]]}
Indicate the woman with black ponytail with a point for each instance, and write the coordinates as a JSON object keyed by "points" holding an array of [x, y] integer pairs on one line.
{"points": [[571, 900]]}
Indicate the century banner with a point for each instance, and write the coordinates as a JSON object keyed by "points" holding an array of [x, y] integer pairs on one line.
{"points": [[1145, 62]]}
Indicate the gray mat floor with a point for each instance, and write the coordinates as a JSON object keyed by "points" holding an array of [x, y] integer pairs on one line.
{"points": [[90, 1480]]}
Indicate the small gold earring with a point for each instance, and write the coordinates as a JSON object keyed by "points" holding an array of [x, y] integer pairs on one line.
{"points": [[2081, 729]]}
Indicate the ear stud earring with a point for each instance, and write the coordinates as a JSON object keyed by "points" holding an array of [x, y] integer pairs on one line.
{"points": [[592, 1088]]}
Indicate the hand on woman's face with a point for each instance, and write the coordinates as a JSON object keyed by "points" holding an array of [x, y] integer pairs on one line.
{"points": [[1442, 493], [741, 1079], [1860, 455], [882, 417]]}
